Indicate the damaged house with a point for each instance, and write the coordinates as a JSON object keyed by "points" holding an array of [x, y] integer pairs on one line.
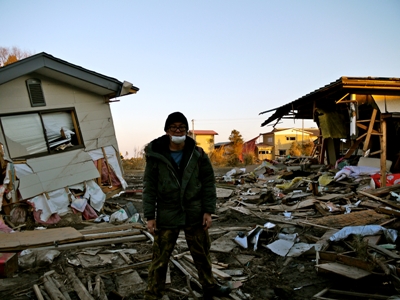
{"points": [[58, 146], [357, 116]]}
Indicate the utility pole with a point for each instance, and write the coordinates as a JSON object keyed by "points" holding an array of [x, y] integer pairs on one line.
{"points": [[194, 136]]}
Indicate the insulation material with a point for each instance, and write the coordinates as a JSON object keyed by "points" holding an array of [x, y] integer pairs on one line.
{"points": [[95, 195], [105, 176], [387, 103], [332, 124], [112, 160], [58, 202], [2, 190], [79, 204]]}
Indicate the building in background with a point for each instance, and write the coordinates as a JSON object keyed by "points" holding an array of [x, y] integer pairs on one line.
{"points": [[204, 139], [278, 141]]}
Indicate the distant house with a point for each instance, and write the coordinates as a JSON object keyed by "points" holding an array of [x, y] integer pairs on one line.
{"points": [[204, 139], [250, 147], [278, 141], [58, 149]]}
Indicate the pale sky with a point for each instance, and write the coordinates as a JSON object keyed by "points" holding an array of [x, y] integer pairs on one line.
{"points": [[220, 63]]}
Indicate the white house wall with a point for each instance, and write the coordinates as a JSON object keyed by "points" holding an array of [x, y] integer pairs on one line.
{"points": [[66, 168]]}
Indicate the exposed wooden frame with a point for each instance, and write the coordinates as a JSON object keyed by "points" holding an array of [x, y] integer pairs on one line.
{"points": [[383, 152]]}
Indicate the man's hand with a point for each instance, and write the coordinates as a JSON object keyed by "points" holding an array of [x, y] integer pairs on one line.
{"points": [[207, 221], [151, 226]]}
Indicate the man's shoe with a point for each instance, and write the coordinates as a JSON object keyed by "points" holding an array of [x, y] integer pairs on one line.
{"points": [[217, 290]]}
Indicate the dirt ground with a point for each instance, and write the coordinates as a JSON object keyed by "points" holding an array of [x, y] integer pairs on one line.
{"points": [[265, 276]]}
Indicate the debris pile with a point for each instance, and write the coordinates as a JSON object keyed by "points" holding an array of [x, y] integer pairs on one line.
{"points": [[37, 193], [292, 229]]}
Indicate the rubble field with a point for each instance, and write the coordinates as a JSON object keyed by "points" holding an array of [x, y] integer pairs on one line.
{"points": [[288, 230]]}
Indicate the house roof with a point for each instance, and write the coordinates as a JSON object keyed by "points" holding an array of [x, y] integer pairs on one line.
{"points": [[303, 107], [203, 132], [50, 66], [216, 145]]}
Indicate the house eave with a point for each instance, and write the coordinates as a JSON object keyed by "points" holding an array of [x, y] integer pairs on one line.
{"points": [[50, 66]]}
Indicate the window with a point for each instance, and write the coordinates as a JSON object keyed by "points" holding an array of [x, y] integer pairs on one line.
{"points": [[40, 133], [261, 152], [269, 140], [290, 138], [282, 152]]}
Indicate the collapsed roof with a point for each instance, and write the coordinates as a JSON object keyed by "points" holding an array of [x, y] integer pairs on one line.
{"points": [[333, 93]]}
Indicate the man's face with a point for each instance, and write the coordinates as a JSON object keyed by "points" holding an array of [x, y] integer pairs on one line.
{"points": [[177, 129]]}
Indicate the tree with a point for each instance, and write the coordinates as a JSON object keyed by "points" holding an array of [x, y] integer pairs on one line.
{"points": [[11, 55], [236, 147]]}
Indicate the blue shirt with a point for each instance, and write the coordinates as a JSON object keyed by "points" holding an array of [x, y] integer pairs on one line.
{"points": [[177, 156]]}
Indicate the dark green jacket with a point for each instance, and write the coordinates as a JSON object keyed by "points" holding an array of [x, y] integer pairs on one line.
{"points": [[177, 195]]}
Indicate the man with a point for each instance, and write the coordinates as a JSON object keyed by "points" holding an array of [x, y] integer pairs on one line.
{"points": [[179, 193]]}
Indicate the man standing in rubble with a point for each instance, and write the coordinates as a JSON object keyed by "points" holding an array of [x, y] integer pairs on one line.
{"points": [[179, 193]]}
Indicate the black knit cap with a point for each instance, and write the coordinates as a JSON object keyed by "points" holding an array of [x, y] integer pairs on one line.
{"points": [[175, 117]]}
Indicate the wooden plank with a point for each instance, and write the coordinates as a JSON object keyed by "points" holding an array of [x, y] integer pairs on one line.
{"points": [[76, 127], [330, 197], [71, 245], [299, 205], [370, 128], [347, 271], [108, 228], [390, 212], [355, 218], [79, 288], [35, 238], [384, 251], [387, 202], [383, 143], [98, 236], [214, 268], [383, 191], [323, 240], [99, 167], [372, 239], [319, 295]]}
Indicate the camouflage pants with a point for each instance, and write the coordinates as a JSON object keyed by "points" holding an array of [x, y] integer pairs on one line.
{"points": [[199, 244]]}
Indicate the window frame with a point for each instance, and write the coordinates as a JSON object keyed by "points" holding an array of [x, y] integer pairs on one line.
{"points": [[49, 150]]}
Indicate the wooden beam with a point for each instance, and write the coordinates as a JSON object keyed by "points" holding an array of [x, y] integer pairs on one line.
{"points": [[370, 129], [383, 153], [108, 165]]}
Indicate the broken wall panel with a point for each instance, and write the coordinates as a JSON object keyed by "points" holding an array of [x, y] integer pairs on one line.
{"points": [[71, 175], [387, 103], [112, 159], [332, 124]]}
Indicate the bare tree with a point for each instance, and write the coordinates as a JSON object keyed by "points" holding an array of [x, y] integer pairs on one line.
{"points": [[11, 55]]}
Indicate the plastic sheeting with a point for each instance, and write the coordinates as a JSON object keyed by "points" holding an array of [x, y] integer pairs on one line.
{"points": [[390, 234], [95, 195], [58, 203], [353, 171]]}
